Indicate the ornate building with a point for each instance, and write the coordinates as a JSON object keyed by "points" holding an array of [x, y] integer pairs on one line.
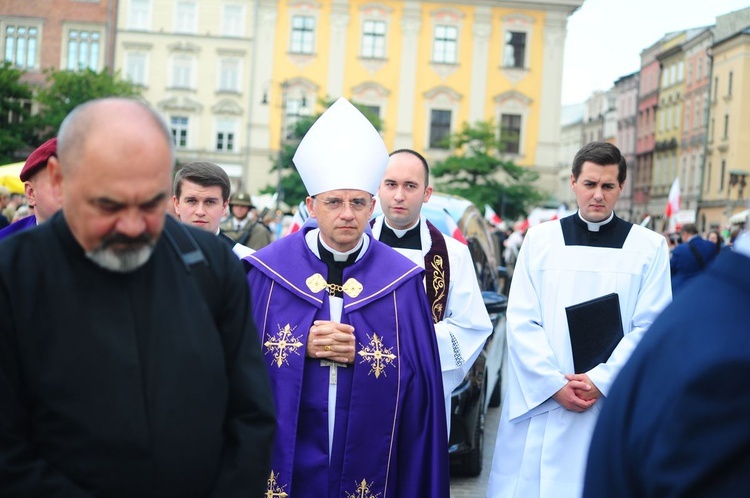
{"points": [[232, 76]]}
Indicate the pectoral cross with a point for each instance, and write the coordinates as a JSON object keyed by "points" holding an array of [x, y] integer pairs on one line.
{"points": [[333, 377]]}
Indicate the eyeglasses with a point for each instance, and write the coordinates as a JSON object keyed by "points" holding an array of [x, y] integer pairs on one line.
{"points": [[335, 204]]}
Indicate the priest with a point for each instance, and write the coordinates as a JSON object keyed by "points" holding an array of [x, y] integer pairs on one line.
{"points": [[347, 336], [461, 321], [598, 261]]}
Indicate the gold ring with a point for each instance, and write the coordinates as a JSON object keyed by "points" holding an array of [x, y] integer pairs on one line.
{"points": [[327, 347]]}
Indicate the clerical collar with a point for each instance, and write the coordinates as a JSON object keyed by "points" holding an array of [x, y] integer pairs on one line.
{"points": [[595, 227], [336, 261], [338, 256], [409, 238]]}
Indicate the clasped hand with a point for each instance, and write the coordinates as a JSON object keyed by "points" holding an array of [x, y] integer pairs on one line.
{"points": [[579, 394], [331, 341]]}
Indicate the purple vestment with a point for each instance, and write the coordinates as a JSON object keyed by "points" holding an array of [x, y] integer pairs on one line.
{"points": [[17, 226], [390, 430]]}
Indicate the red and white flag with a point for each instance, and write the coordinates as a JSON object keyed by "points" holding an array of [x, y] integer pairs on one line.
{"points": [[673, 202], [300, 215], [453, 229], [491, 216]]}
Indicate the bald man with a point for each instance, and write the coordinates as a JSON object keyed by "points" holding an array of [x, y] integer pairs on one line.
{"points": [[134, 380]]}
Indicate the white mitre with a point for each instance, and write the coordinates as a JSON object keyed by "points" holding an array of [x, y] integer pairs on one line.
{"points": [[342, 150]]}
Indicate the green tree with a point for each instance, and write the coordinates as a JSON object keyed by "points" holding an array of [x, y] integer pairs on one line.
{"points": [[477, 172], [15, 111], [67, 89], [292, 189]]}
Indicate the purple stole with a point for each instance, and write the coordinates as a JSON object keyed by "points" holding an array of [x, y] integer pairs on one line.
{"points": [[389, 427], [18, 226]]}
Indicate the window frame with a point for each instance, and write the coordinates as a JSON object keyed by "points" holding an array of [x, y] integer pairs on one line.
{"points": [[182, 128], [441, 45], [439, 128], [31, 55], [376, 51], [305, 44]]}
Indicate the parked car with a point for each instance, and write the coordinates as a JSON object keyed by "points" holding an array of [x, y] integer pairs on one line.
{"points": [[481, 388]]}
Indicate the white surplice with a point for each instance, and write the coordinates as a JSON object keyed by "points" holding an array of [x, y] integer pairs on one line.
{"points": [[462, 332], [541, 448]]}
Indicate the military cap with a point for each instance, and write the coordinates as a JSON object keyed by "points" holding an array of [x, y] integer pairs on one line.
{"points": [[241, 199], [38, 159]]}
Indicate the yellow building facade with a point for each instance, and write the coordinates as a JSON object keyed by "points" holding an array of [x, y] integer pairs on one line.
{"points": [[247, 69], [726, 173], [668, 126]]}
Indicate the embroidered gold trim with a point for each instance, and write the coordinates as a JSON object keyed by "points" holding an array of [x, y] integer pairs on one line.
{"points": [[438, 285], [316, 283], [377, 355], [282, 345], [352, 287]]}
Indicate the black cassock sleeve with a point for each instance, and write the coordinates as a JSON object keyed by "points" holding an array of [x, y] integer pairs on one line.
{"points": [[250, 424]]}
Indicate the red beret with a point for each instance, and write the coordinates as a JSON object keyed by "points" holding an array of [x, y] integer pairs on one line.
{"points": [[38, 159]]}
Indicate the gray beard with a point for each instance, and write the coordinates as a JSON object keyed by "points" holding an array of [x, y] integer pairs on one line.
{"points": [[121, 261]]}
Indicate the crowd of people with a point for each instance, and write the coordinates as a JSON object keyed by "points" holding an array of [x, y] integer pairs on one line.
{"points": [[195, 354]]}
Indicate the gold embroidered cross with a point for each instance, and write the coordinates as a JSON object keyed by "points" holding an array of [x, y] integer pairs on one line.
{"points": [[363, 491], [273, 490], [282, 345], [377, 355]]}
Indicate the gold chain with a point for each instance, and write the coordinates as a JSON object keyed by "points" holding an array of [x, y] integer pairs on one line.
{"points": [[333, 289]]}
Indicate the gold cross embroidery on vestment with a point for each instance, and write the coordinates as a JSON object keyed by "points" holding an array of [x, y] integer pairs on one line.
{"points": [[377, 355], [364, 490], [273, 490], [283, 344]]}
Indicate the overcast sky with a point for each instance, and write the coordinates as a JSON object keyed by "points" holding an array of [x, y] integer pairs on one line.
{"points": [[605, 37]]}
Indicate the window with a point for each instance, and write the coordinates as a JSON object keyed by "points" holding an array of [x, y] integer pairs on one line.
{"points": [[373, 40], [303, 29], [185, 19], [225, 135], [444, 49], [440, 128], [373, 110], [723, 173], [729, 84], [510, 133], [83, 49], [182, 72], [232, 20], [229, 75], [697, 116], [294, 110], [726, 126], [135, 67], [514, 54], [21, 43], [179, 127], [680, 71], [140, 14]]}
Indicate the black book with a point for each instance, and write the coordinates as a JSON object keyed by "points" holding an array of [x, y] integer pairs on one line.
{"points": [[595, 330]]}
